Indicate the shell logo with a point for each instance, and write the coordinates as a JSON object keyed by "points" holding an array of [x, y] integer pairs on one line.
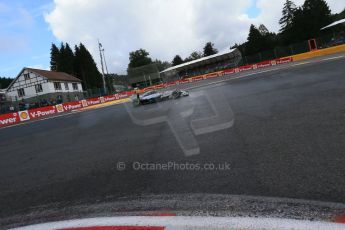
{"points": [[59, 108], [24, 115]]}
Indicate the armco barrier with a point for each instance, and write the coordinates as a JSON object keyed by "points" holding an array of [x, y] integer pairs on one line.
{"points": [[43, 111], [68, 106], [9, 119], [317, 53], [93, 101], [32, 114]]}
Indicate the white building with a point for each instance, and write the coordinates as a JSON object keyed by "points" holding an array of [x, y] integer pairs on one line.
{"points": [[35, 84]]}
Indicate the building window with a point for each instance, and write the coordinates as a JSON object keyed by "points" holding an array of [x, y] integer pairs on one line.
{"points": [[66, 86], [38, 88], [27, 76], [21, 92], [57, 85], [75, 86]]}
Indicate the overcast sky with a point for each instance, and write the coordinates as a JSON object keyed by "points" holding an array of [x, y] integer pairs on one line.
{"points": [[163, 27]]}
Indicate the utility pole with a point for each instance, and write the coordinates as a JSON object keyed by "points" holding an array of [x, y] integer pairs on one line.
{"points": [[105, 63], [103, 77], [110, 78]]}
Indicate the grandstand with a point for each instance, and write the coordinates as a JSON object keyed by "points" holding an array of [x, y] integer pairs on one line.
{"points": [[216, 62], [144, 76]]}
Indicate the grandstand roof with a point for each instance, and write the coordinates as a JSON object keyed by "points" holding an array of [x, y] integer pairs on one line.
{"points": [[205, 60], [342, 21]]}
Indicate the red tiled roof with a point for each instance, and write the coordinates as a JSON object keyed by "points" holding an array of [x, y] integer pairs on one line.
{"points": [[52, 75]]}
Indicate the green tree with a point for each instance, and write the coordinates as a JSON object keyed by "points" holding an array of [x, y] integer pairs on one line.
{"points": [[294, 33], [5, 82], [80, 63], [162, 65], [193, 56], [139, 58], [338, 16], [317, 15], [209, 49], [86, 69], [78, 66], [66, 59], [177, 60], [308, 20], [263, 30], [258, 40], [54, 57], [254, 41], [287, 15], [60, 65]]}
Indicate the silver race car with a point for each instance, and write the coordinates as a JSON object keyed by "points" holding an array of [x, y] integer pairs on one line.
{"points": [[155, 96], [150, 97]]}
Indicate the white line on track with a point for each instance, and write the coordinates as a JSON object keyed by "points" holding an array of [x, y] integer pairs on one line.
{"points": [[33, 121], [194, 222], [332, 58]]}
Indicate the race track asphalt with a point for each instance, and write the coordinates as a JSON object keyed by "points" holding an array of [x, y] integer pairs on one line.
{"points": [[278, 133]]}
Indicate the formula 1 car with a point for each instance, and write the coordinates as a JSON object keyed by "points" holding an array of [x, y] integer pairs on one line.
{"points": [[155, 96], [150, 97]]}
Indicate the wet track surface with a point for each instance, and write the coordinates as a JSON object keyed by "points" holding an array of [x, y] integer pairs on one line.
{"points": [[282, 135]]}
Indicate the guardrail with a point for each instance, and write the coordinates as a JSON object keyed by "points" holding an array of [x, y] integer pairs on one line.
{"points": [[320, 52], [32, 114]]}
